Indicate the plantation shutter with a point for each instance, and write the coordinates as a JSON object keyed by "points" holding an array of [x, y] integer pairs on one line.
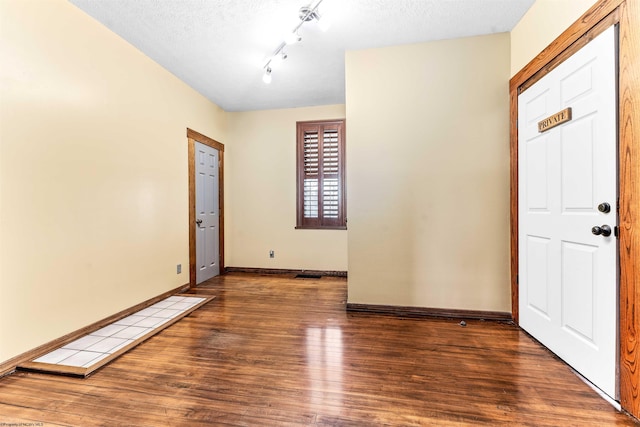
{"points": [[311, 173], [321, 197]]}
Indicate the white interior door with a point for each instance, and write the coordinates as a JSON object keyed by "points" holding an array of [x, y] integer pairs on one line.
{"points": [[568, 282], [207, 213]]}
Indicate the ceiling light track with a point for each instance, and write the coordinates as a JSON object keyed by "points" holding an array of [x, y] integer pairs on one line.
{"points": [[306, 14]]}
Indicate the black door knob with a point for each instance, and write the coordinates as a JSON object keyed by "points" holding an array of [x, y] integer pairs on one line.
{"points": [[604, 207], [604, 230]]}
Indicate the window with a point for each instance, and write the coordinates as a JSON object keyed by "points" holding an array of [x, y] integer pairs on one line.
{"points": [[321, 177]]}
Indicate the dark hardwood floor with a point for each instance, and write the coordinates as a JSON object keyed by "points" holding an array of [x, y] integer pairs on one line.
{"points": [[273, 350]]}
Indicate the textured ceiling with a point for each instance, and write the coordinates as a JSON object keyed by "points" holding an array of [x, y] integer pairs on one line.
{"points": [[219, 47]]}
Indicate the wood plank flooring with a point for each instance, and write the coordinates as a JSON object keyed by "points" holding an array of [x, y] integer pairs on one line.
{"points": [[274, 350]]}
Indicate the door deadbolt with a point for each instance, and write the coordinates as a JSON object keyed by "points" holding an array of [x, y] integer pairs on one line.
{"points": [[603, 230], [604, 207]]}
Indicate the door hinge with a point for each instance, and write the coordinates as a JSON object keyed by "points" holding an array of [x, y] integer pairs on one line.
{"points": [[517, 279]]}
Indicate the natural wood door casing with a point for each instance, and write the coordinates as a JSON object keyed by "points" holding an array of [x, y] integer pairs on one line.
{"points": [[629, 163], [192, 137]]}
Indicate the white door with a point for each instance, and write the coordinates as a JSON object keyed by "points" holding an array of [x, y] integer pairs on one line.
{"points": [[567, 274], [207, 213]]}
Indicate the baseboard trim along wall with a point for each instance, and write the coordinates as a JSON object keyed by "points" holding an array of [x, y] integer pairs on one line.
{"points": [[284, 271], [10, 365], [446, 313]]}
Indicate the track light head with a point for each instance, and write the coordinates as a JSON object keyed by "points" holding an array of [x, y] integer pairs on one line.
{"points": [[292, 38], [267, 76]]}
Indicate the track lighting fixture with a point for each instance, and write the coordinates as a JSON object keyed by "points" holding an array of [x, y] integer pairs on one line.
{"points": [[306, 14]]}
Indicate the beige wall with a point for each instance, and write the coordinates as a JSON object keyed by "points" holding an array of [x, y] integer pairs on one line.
{"points": [[542, 24], [260, 210], [428, 174], [93, 173]]}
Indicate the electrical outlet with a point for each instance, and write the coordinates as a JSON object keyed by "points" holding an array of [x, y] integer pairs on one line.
{"points": [[179, 268], [272, 254]]}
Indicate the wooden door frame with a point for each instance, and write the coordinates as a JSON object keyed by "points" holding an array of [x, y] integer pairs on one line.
{"points": [[604, 13], [192, 138]]}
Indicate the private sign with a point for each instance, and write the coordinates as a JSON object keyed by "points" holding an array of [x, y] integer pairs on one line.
{"points": [[555, 120]]}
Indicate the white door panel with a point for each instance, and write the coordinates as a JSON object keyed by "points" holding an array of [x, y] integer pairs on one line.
{"points": [[207, 213], [567, 275]]}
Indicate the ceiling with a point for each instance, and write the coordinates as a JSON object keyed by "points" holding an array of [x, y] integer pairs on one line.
{"points": [[219, 47]]}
